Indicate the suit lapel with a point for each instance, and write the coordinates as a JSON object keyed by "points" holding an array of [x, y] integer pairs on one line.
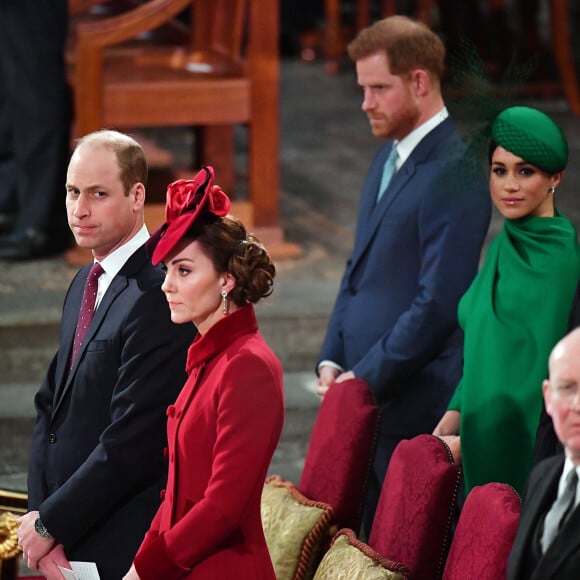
{"points": [[371, 213], [68, 325], [568, 539], [117, 286], [536, 504]]}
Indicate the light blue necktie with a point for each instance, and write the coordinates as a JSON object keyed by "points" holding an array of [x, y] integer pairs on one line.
{"points": [[388, 171]]}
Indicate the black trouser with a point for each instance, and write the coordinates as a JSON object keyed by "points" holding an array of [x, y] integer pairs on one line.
{"points": [[35, 112]]}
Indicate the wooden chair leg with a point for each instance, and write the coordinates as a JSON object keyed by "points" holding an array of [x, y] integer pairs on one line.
{"points": [[333, 43], [363, 14], [214, 146], [563, 53]]}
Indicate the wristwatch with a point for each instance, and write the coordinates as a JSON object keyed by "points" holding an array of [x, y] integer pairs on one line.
{"points": [[41, 528]]}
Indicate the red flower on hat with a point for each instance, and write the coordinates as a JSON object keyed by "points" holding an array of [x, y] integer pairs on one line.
{"points": [[180, 197], [219, 202], [188, 194], [187, 200]]}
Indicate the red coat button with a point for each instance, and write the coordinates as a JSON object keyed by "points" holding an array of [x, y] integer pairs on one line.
{"points": [[162, 494], [170, 411]]}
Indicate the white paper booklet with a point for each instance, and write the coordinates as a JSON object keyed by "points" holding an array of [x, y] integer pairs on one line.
{"points": [[80, 571]]}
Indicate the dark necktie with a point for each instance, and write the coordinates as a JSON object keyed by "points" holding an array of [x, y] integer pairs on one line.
{"points": [[560, 510], [87, 309]]}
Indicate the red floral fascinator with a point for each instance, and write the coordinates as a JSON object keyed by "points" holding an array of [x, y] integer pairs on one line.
{"points": [[186, 200]]}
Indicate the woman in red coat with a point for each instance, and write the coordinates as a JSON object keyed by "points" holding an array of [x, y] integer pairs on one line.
{"points": [[225, 424]]}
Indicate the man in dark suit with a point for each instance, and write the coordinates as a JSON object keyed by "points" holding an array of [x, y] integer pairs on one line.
{"points": [[547, 545], [96, 465], [35, 122], [417, 242]]}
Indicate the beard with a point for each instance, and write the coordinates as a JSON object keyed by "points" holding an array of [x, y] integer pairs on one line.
{"points": [[396, 125]]}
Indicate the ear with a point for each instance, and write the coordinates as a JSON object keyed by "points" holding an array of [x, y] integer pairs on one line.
{"points": [[138, 193], [556, 178], [547, 396], [229, 282], [420, 82]]}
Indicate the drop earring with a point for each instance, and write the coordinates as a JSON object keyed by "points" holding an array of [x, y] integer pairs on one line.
{"points": [[552, 190], [225, 306]]}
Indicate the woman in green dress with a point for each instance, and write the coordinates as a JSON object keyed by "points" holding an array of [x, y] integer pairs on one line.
{"points": [[517, 307]]}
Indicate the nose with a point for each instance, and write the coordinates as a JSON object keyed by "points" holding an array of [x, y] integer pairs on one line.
{"points": [[80, 207], [167, 286], [368, 101], [511, 183]]}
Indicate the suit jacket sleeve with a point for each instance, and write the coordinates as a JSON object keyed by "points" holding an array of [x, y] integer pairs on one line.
{"points": [[150, 372], [37, 490]]}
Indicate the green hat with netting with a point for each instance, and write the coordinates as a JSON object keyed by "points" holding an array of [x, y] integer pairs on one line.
{"points": [[533, 136]]}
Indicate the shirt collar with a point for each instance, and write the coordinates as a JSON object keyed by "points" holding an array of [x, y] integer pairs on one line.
{"points": [[113, 263], [405, 146], [568, 466]]}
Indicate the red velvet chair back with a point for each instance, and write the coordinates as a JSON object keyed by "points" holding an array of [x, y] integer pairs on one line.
{"points": [[341, 451], [414, 515], [485, 533]]}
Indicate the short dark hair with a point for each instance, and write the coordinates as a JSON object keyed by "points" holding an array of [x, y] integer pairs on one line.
{"points": [[408, 44], [130, 155]]}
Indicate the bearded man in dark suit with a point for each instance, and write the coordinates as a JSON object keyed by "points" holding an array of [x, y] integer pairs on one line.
{"points": [[424, 212]]}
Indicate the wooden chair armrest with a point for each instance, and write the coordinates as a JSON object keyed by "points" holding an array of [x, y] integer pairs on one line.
{"points": [[115, 29]]}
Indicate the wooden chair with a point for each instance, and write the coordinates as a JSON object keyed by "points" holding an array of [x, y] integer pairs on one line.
{"points": [[562, 44], [226, 72]]}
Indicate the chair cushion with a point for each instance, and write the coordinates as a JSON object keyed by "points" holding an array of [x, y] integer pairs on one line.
{"points": [[341, 450], [485, 533], [414, 515], [351, 559], [296, 529]]}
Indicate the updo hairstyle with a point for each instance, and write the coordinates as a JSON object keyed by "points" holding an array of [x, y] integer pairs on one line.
{"points": [[231, 249]]}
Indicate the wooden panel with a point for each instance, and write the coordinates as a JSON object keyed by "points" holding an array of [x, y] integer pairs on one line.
{"points": [[143, 104]]}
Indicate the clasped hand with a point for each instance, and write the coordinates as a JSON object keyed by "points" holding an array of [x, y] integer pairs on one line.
{"points": [[42, 554]]}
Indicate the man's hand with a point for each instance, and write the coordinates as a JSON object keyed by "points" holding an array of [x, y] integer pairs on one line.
{"points": [[33, 545], [48, 565], [346, 376], [326, 377]]}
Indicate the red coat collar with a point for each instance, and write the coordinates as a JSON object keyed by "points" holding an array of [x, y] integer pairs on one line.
{"points": [[221, 335]]}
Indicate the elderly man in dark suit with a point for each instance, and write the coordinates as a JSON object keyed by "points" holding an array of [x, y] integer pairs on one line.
{"points": [[96, 465], [547, 545], [424, 213]]}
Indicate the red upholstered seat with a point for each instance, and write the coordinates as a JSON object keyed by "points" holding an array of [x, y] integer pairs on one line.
{"points": [[341, 450], [485, 533], [299, 526], [413, 520]]}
